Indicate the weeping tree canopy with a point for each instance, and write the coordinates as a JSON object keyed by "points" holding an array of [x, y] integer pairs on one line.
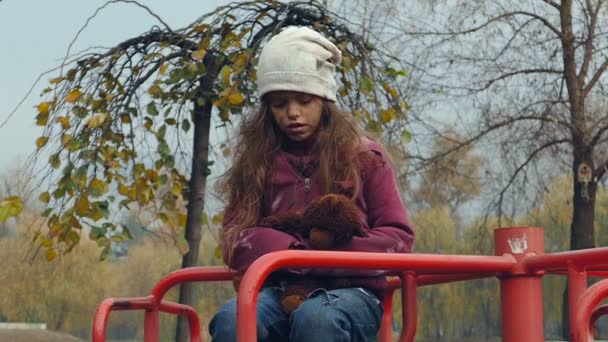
{"points": [[115, 121]]}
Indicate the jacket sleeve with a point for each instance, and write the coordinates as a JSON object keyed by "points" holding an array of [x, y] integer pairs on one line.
{"points": [[253, 242], [390, 230]]}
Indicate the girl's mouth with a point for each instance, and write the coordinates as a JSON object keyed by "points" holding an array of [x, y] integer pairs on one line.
{"points": [[296, 128]]}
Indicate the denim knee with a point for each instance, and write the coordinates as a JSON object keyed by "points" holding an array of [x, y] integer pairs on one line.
{"points": [[338, 315], [222, 326], [272, 323]]}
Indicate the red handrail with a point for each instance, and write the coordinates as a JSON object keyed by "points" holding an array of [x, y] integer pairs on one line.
{"points": [[519, 265]]}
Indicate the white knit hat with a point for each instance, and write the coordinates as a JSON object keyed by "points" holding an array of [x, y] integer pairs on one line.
{"points": [[299, 59]]}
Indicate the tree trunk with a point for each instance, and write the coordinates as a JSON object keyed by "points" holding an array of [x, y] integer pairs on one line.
{"points": [[582, 228], [582, 233], [196, 197]]}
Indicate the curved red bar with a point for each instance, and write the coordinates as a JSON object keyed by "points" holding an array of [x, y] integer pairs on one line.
{"points": [[257, 273], [582, 329]]}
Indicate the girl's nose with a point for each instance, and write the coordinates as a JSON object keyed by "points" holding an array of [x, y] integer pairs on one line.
{"points": [[293, 110]]}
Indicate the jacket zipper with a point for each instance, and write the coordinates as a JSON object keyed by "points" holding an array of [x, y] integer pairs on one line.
{"points": [[306, 188]]}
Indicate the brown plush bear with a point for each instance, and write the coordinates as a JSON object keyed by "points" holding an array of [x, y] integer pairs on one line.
{"points": [[327, 222]]}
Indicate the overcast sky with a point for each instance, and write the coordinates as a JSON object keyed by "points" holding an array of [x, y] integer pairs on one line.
{"points": [[34, 37]]}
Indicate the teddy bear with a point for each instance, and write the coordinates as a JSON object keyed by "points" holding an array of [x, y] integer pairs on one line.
{"points": [[329, 221]]}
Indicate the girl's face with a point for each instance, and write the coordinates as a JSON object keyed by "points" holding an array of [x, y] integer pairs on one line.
{"points": [[298, 115]]}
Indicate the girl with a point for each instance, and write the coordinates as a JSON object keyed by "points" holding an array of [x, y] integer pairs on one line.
{"points": [[296, 148]]}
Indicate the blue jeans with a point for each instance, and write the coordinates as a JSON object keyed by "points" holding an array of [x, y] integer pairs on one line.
{"points": [[351, 314]]}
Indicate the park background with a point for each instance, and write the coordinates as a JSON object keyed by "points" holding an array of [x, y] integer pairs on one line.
{"points": [[460, 179]]}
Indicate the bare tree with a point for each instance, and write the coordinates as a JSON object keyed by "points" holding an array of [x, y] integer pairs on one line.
{"points": [[522, 79]]}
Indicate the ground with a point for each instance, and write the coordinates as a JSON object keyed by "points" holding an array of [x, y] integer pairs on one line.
{"points": [[27, 335]]}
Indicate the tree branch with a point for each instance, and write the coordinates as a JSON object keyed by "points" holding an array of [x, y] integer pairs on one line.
{"points": [[601, 171], [595, 78], [520, 72], [596, 138], [588, 50], [552, 3], [531, 157]]}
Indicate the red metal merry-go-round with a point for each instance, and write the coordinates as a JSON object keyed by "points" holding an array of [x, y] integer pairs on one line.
{"points": [[519, 264]]}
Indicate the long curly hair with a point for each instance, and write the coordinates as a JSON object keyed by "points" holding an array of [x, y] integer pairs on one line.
{"points": [[242, 186]]}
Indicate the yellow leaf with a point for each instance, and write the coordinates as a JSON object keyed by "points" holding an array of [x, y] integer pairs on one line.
{"points": [[128, 191], [200, 28], [97, 120], [235, 98], [42, 119], [226, 152], [218, 252], [199, 54], [66, 139], [387, 115], [64, 121], [163, 69], [73, 96], [45, 197], [46, 242], [218, 219], [82, 206], [226, 73], [125, 119], [41, 141], [240, 62], [98, 187], [45, 107], [176, 190], [56, 80], [10, 207], [390, 90], [50, 254], [155, 91], [181, 220]]}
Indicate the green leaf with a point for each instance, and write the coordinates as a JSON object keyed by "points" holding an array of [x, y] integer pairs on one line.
{"points": [[163, 148], [46, 212], [126, 234], [54, 161], [406, 137], [152, 110], [185, 125], [160, 134], [104, 253], [367, 84], [95, 233]]}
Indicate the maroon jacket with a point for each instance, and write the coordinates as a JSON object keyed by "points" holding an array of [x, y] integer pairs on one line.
{"points": [[383, 213]]}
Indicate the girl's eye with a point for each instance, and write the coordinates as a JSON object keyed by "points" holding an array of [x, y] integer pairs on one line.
{"points": [[277, 103], [304, 99]]}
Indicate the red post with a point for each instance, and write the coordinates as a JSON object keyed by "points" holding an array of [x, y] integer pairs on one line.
{"points": [[386, 327], [151, 325], [521, 291], [409, 306]]}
